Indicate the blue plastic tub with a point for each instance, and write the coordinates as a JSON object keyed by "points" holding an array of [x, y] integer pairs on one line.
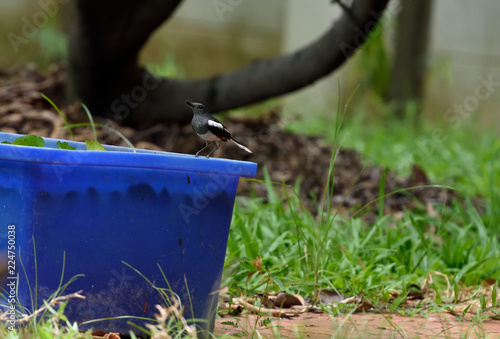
{"points": [[87, 212]]}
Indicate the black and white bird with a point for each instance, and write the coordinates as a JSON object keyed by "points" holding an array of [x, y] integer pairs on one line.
{"points": [[210, 129]]}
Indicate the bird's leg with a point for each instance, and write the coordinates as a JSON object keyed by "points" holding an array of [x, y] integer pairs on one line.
{"points": [[207, 143], [217, 145]]}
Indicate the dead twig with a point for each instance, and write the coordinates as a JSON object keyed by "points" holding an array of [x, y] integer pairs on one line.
{"points": [[54, 302]]}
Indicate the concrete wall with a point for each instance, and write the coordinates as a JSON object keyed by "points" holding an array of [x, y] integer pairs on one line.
{"points": [[212, 36], [465, 48], [304, 24], [464, 54]]}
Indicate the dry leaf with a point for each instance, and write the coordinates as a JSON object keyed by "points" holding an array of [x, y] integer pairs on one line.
{"points": [[286, 300]]}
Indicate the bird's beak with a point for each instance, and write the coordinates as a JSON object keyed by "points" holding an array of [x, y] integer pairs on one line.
{"points": [[190, 103]]}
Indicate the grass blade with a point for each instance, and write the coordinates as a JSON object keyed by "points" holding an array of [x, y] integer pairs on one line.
{"points": [[91, 121], [61, 115], [124, 138]]}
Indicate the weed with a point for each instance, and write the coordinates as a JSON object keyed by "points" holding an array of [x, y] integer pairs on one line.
{"points": [[385, 257]]}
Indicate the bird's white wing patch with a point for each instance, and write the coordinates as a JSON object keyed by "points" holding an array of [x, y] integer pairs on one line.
{"points": [[216, 125]]}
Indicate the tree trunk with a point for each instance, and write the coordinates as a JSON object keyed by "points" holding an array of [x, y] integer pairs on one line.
{"points": [[409, 66], [104, 43], [108, 35]]}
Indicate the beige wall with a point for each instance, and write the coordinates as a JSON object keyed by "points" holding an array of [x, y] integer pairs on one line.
{"points": [[465, 49], [211, 36]]}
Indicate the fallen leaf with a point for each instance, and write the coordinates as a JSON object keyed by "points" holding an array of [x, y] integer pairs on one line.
{"points": [[286, 300], [489, 282], [364, 306]]}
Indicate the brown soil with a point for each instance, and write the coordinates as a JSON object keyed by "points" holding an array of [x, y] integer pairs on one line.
{"points": [[368, 325]]}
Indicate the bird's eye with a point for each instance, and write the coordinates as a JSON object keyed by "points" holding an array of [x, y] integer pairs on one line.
{"points": [[200, 106]]}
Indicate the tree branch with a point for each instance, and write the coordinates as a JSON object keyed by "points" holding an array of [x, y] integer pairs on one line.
{"points": [[267, 78], [105, 75], [104, 41]]}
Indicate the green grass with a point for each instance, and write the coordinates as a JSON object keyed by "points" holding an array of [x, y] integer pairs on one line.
{"points": [[446, 154], [465, 233], [276, 243], [467, 158], [353, 256], [360, 256]]}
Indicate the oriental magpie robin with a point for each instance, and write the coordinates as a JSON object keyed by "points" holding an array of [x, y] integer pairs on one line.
{"points": [[210, 129]]}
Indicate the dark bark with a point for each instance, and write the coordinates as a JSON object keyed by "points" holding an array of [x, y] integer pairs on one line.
{"points": [[105, 40], [109, 78], [409, 66]]}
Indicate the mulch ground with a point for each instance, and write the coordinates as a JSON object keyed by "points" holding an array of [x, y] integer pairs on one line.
{"points": [[286, 156]]}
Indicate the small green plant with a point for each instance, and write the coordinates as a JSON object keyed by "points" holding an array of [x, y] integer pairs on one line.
{"points": [[94, 146], [36, 141], [65, 145], [86, 124], [60, 114], [27, 140], [91, 145]]}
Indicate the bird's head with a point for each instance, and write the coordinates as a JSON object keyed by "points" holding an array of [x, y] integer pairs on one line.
{"points": [[197, 107]]}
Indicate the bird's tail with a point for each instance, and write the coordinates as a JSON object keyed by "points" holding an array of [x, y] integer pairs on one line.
{"points": [[241, 146]]}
